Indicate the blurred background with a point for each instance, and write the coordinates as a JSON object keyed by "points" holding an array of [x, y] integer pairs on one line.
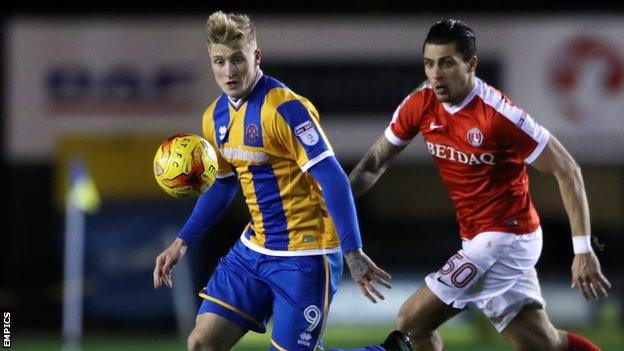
{"points": [[105, 82]]}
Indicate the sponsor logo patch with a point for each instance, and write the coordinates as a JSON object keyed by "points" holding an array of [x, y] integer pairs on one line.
{"points": [[307, 133], [304, 339], [434, 126], [244, 155], [447, 152]]}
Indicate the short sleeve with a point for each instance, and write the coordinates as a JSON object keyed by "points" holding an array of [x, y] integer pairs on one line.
{"points": [[517, 130], [298, 130], [404, 125]]}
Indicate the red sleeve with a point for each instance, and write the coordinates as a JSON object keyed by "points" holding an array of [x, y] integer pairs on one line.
{"points": [[405, 120], [518, 131]]}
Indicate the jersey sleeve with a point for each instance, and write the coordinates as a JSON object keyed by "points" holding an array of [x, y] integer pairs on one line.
{"points": [[404, 125], [298, 130], [225, 168], [517, 130]]}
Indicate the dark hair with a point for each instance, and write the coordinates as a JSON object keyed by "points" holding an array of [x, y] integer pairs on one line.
{"points": [[453, 31]]}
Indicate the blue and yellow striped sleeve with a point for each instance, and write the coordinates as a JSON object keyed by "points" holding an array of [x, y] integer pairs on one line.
{"points": [[298, 130]]}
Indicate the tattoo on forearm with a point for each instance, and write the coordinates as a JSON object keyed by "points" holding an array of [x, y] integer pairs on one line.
{"points": [[372, 166]]}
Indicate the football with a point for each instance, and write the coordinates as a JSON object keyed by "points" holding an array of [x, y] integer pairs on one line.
{"points": [[185, 165]]}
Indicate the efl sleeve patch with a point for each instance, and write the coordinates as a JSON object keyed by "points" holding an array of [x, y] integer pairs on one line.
{"points": [[301, 135], [306, 132]]}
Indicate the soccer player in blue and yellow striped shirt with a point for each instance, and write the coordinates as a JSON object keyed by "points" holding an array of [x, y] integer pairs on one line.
{"points": [[288, 261]]}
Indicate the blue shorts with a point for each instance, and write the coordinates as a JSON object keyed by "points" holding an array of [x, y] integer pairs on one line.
{"points": [[248, 287]]}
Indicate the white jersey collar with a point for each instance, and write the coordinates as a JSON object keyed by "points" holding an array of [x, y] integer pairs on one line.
{"points": [[452, 109]]}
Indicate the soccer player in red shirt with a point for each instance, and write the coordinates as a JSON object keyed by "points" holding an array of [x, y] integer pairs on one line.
{"points": [[481, 143]]}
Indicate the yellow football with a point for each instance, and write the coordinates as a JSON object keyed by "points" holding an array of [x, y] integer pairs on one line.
{"points": [[185, 165]]}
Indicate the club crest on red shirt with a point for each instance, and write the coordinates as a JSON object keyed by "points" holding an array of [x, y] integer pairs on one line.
{"points": [[475, 137]]}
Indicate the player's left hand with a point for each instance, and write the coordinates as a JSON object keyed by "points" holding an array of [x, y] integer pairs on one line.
{"points": [[587, 276], [364, 272]]}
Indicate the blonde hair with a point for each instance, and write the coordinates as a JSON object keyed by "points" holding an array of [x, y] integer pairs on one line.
{"points": [[231, 29]]}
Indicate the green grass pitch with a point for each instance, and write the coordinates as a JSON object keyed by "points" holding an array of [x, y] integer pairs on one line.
{"points": [[473, 337]]}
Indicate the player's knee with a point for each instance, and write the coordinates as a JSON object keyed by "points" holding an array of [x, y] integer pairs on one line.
{"points": [[194, 343], [198, 341], [409, 322]]}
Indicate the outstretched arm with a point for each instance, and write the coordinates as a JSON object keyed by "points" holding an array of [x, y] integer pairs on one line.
{"points": [[586, 272], [339, 202], [373, 165], [208, 209]]}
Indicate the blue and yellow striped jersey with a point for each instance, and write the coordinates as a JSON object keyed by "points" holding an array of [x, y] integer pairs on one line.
{"points": [[269, 143]]}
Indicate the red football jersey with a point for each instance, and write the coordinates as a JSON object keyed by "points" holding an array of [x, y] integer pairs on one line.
{"points": [[481, 147]]}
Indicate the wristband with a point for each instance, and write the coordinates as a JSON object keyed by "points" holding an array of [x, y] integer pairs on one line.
{"points": [[581, 244]]}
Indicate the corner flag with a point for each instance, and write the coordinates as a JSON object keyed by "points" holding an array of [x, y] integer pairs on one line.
{"points": [[83, 193], [82, 197]]}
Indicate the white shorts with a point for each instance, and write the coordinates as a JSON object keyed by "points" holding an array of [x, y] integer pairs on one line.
{"points": [[493, 272]]}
